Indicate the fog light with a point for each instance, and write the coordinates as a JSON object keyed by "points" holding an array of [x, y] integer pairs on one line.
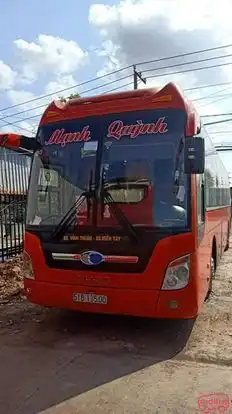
{"points": [[173, 304]]}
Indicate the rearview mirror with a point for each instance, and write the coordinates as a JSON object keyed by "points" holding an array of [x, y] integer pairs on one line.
{"points": [[18, 142], [194, 155]]}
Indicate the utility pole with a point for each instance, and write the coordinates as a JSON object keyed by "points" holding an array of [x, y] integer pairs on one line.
{"points": [[138, 75]]}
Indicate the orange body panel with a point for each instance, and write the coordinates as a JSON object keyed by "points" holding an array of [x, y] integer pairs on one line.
{"points": [[166, 251], [216, 226], [217, 222], [143, 303], [129, 294]]}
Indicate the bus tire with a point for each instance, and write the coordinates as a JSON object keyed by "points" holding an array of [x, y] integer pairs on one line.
{"points": [[228, 239], [227, 246], [212, 270]]}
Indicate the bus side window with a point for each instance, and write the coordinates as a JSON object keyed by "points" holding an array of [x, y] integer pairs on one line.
{"points": [[200, 199]]}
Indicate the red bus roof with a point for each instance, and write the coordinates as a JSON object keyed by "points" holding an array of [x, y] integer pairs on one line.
{"points": [[170, 96]]}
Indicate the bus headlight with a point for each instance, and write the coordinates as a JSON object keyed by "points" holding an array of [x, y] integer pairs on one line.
{"points": [[177, 274], [28, 271]]}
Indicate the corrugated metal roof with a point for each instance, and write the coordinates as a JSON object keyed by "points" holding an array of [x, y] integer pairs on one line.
{"points": [[14, 172]]}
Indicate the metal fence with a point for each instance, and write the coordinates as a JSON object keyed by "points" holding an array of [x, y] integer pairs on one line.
{"points": [[14, 174]]}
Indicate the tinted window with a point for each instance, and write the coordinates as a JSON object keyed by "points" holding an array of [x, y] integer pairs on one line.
{"points": [[137, 157], [216, 178]]}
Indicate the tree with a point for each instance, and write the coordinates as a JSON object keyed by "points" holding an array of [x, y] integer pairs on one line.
{"points": [[72, 96]]}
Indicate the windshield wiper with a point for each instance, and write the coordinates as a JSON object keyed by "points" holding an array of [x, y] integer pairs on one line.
{"points": [[105, 196], [69, 217]]}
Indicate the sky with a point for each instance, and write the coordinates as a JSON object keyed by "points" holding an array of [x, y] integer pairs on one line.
{"points": [[48, 46]]}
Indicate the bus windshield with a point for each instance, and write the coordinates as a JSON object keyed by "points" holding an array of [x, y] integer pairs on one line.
{"points": [[131, 160]]}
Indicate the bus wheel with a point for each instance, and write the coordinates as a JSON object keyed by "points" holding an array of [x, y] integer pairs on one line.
{"points": [[212, 276], [227, 246], [228, 240]]}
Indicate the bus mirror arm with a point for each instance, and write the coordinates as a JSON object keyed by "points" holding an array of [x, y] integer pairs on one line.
{"points": [[194, 155], [16, 142]]}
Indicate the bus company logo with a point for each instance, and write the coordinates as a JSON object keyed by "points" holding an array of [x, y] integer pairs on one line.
{"points": [[91, 258], [60, 137], [117, 129], [214, 403]]}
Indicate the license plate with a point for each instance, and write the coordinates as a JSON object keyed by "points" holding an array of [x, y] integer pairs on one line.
{"points": [[90, 298]]}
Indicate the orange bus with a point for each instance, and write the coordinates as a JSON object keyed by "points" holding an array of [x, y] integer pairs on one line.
{"points": [[128, 207]]}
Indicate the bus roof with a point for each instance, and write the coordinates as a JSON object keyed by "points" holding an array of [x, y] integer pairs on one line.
{"points": [[169, 96]]}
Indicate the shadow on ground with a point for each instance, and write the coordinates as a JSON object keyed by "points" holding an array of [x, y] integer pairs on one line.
{"points": [[48, 356]]}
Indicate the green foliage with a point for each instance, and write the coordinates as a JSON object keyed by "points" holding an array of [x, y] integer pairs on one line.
{"points": [[72, 96]]}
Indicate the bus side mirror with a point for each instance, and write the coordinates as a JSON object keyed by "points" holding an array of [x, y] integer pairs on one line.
{"points": [[194, 155], [18, 142], [10, 141]]}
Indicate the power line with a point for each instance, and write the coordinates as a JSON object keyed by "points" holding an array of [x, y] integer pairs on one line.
{"points": [[211, 94], [183, 55], [189, 70], [12, 123], [112, 90], [227, 96], [220, 132], [23, 112], [207, 86], [66, 89], [218, 122], [117, 71], [187, 63], [119, 87], [213, 115], [84, 92], [39, 115], [221, 145]]}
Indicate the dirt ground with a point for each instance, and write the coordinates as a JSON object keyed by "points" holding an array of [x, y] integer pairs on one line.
{"points": [[11, 279], [94, 363]]}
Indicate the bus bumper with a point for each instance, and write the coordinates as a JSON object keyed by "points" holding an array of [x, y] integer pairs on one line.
{"points": [[141, 303]]}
